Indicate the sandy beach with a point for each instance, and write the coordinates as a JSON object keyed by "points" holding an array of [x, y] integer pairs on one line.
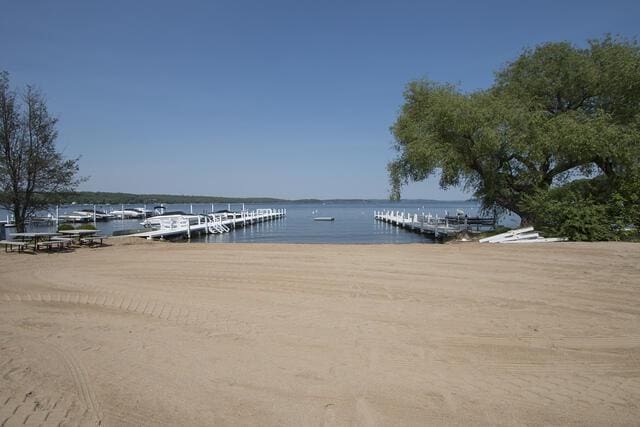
{"points": [[155, 333]]}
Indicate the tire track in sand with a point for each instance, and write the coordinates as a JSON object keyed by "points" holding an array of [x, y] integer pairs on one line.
{"points": [[183, 315], [81, 380], [23, 401]]}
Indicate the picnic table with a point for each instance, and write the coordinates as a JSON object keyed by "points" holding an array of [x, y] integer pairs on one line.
{"points": [[84, 236], [24, 239], [78, 234]]}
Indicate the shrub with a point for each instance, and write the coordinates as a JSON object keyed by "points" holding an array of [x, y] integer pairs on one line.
{"points": [[64, 227], [87, 227], [568, 214]]}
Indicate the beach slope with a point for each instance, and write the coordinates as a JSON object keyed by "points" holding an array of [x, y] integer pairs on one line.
{"points": [[154, 333]]}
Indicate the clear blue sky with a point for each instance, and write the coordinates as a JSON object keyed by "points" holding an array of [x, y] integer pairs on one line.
{"points": [[288, 99]]}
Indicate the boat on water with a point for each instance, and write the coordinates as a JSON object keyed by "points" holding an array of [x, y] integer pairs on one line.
{"points": [[132, 213], [171, 219], [125, 213], [225, 214], [76, 217], [324, 218], [144, 212], [48, 219], [100, 215]]}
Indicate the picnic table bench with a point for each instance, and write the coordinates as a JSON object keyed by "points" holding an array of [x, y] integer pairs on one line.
{"points": [[34, 240], [90, 240], [50, 244], [64, 241], [11, 244]]}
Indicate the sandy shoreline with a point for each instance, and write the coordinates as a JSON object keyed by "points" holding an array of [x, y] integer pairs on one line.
{"points": [[195, 334]]}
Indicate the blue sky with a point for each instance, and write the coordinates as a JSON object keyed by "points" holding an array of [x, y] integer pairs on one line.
{"points": [[290, 99]]}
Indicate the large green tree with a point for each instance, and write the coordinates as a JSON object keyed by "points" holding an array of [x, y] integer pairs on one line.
{"points": [[556, 114], [32, 170]]}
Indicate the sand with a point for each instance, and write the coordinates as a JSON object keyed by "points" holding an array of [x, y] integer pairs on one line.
{"points": [[155, 333]]}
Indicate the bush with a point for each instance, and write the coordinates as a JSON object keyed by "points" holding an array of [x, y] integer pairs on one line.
{"points": [[568, 214], [87, 227], [64, 227]]}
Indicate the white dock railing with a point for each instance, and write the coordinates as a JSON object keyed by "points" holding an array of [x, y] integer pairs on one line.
{"points": [[424, 223], [212, 223]]}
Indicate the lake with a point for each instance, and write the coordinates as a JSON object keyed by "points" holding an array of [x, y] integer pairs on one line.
{"points": [[353, 223]]}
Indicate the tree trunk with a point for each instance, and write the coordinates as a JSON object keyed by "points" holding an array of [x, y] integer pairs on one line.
{"points": [[19, 219], [526, 220]]}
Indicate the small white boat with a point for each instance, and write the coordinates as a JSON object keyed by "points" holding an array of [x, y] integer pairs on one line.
{"points": [[521, 235], [100, 215], [75, 217], [158, 221], [144, 213], [132, 213], [324, 218]]}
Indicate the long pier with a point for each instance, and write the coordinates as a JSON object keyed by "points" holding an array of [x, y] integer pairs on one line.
{"points": [[186, 225], [439, 228]]}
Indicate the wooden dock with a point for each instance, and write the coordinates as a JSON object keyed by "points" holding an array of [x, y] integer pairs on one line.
{"points": [[438, 228], [213, 223]]}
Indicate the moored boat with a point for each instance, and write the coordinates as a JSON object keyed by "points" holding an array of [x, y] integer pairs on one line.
{"points": [[99, 215], [132, 213], [157, 221], [75, 217]]}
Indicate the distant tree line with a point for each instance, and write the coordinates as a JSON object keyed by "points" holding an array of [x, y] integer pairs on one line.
{"points": [[105, 198]]}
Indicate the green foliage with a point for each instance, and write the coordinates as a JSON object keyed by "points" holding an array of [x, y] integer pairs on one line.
{"points": [[588, 209], [104, 198], [65, 227], [569, 214], [556, 114], [87, 227]]}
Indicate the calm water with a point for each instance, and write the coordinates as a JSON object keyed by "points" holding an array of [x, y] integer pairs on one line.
{"points": [[353, 223]]}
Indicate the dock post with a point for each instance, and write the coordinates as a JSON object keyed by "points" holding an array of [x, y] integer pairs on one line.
{"points": [[188, 230]]}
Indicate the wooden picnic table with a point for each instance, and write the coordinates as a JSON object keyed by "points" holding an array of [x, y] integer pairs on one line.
{"points": [[86, 237], [78, 234], [34, 238]]}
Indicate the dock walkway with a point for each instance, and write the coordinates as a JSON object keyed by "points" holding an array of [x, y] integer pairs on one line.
{"points": [[439, 228], [210, 224]]}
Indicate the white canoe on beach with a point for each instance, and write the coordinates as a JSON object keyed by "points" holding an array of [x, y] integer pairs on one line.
{"points": [[521, 235]]}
